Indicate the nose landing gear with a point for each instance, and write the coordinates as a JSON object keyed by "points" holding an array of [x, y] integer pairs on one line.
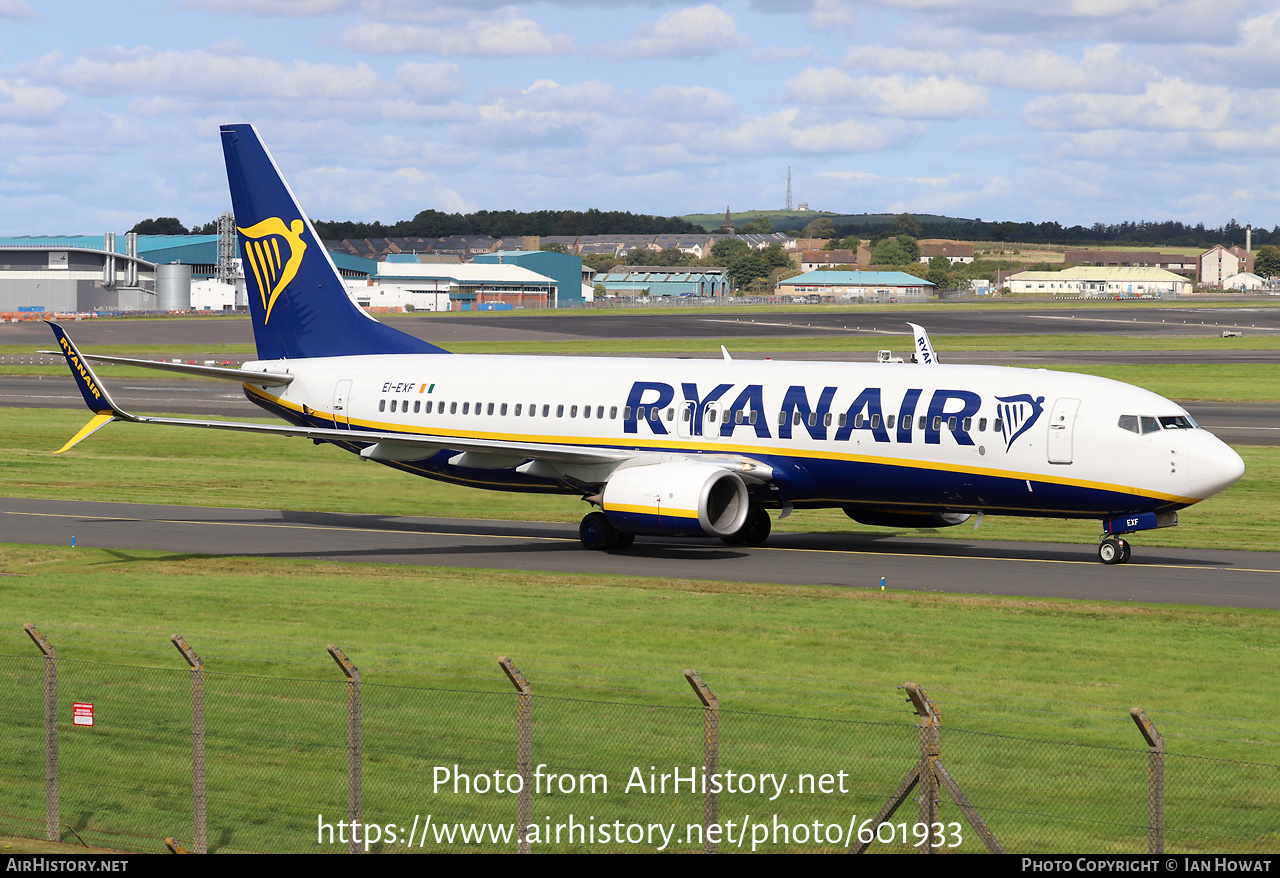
{"points": [[1113, 550]]}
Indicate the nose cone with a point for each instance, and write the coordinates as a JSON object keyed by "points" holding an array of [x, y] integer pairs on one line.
{"points": [[1215, 466]]}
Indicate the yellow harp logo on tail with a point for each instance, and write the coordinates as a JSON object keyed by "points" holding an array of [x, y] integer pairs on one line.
{"points": [[274, 253]]}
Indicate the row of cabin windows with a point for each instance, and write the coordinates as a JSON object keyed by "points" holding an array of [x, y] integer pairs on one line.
{"points": [[654, 413]]}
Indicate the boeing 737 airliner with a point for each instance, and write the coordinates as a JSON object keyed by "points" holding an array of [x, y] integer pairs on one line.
{"points": [[686, 447]]}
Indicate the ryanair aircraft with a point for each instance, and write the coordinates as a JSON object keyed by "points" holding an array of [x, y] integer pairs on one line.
{"points": [[686, 447]]}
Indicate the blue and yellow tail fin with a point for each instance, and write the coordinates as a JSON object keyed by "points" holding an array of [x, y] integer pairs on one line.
{"points": [[299, 305]]}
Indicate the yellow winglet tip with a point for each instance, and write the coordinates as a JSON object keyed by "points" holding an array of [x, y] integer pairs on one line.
{"points": [[100, 420]]}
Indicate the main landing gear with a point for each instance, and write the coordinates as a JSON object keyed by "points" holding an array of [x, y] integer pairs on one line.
{"points": [[754, 531], [1113, 550], [598, 534]]}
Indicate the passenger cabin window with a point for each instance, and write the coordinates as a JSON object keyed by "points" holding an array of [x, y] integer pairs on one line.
{"points": [[559, 411], [613, 413], [546, 411], [466, 408], [573, 411], [393, 405], [888, 422], [453, 408], [417, 406], [429, 404], [923, 420], [997, 425], [504, 408], [599, 411], [982, 425], [518, 410], [382, 405], [490, 409]]}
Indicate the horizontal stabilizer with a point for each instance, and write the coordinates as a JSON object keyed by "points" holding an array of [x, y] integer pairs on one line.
{"points": [[262, 379]]}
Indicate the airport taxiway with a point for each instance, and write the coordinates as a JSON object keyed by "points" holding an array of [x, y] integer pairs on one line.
{"points": [[1207, 577]]}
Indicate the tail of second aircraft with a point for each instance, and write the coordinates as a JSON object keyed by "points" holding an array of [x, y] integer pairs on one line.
{"points": [[299, 304]]}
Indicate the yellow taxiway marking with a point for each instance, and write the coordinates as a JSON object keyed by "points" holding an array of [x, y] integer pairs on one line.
{"points": [[495, 536]]}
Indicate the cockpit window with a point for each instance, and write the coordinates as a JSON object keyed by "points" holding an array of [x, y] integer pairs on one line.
{"points": [[1144, 424], [1177, 422]]}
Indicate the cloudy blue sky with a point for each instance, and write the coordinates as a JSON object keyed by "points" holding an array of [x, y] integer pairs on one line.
{"points": [[1078, 111]]}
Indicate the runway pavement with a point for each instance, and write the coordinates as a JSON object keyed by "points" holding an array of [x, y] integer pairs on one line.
{"points": [[1177, 576]]}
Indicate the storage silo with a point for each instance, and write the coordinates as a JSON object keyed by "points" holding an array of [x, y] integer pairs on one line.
{"points": [[173, 287]]}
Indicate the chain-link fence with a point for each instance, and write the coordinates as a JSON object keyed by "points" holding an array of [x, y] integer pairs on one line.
{"points": [[122, 756]]}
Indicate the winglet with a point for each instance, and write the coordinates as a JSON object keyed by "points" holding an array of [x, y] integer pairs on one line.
{"points": [[924, 348], [99, 421], [95, 395]]}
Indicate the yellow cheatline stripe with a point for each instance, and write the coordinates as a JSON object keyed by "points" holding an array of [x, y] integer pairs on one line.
{"points": [[101, 419], [627, 442], [669, 511], [498, 536]]}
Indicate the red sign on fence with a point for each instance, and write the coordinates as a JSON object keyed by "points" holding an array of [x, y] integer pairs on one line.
{"points": [[82, 713]]}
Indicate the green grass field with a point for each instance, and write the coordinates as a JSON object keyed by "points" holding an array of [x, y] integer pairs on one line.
{"points": [[1034, 696]]}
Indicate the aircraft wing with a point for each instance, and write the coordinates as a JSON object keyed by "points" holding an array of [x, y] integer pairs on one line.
{"points": [[395, 446]]}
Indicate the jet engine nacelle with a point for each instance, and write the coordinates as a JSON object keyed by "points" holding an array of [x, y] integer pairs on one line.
{"points": [[877, 518], [677, 497]]}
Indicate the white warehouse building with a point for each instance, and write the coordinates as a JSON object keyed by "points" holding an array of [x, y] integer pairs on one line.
{"points": [[1100, 281]]}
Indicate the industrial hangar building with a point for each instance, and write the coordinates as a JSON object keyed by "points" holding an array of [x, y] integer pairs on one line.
{"points": [[862, 286], [1100, 281]]}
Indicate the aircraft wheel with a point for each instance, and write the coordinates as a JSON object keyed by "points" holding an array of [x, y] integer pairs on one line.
{"points": [[622, 541], [1125, 551], [596, 532], [754, 531], [1110, 551]]}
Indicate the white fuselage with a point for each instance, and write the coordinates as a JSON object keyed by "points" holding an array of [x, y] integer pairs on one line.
{"points": [[972, 438]]}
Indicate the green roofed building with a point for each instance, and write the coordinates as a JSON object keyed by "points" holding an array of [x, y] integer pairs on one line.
{"points": [[862, 286]]}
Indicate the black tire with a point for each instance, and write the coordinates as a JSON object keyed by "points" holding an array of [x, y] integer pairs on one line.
{"points": [[622, 541], [1125, 552], [754, 531], [1109, 551], [596, 532]]}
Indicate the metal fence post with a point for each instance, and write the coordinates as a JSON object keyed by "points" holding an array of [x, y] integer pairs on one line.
{"points": [[1155, 781], [51, 818], [930, 750], [199, 815], [355, 779], [524, 752], [710, 757]]}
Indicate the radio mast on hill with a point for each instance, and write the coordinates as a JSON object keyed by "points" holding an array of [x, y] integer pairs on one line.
{"points": [[788, 187]]}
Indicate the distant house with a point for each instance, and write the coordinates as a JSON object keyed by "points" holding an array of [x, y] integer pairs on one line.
{"points": [[812, 260], [1219, 263], [955, 251]]}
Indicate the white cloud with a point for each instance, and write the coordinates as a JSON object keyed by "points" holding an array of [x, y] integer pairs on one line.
{"points": [[1105, 67], [429, 81], [17, 10], [505, 35], [929, 97], [272, 8], [1167, 105], [695, 32], [22, 102], [205, 74]]}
